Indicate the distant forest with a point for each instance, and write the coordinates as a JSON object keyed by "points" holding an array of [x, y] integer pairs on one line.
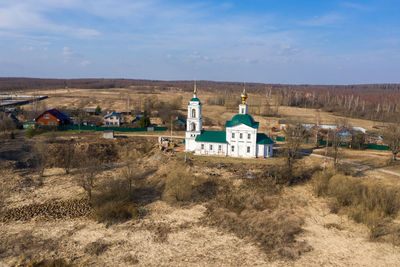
{"points": [[380, 102]]}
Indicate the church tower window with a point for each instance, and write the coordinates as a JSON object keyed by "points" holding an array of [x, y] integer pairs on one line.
{"points": [[193, 113]]}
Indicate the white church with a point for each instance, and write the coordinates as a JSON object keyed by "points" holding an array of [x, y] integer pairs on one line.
{"points": [[240, 139]]}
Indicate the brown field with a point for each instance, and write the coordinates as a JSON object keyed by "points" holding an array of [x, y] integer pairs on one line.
{"points": [[222, 219]]}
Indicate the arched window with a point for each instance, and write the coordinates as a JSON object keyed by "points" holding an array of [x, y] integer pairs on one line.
{"points": [[193, 127], [193, 113]]}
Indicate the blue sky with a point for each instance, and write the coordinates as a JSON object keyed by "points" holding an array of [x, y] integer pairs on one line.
{"points": [[272, 41]]}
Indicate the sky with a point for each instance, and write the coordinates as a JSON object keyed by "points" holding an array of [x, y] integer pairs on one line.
{"points": [[269, 41]]}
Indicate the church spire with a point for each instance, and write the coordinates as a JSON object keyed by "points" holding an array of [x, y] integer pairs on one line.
{"points": [[195, 90], [244, 96]]}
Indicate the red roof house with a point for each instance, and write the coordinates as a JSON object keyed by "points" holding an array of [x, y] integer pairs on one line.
{"points": [[53, 117]]}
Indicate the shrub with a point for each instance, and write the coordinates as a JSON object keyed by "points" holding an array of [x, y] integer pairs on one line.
{"points": [[320, 181], [178, 186], [114, 202], [254, 210], [96, 248], [370, 203], [31, 132]]}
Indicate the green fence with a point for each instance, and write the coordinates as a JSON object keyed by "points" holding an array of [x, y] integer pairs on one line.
{"points": [[117, 129], [376, 147], [280, 138], [346, 145]]}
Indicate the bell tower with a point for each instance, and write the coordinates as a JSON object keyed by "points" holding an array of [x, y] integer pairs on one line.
{"points": [[194, 121]]}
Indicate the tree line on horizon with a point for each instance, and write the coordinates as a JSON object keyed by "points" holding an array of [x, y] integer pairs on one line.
{"points": [[379, 102]]}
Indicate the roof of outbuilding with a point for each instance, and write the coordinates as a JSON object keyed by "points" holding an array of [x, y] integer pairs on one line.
{"points": [[212, 137], [112, 114], [263, 139], [245, 119]]}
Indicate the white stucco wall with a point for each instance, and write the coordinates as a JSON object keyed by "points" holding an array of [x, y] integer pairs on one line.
{"points": [[211, 148], [240, 144]]}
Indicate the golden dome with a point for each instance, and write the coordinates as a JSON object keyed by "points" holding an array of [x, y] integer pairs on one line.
{"points": [[244, 96]]}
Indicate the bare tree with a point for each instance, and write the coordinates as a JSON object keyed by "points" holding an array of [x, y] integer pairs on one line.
{"points": [[40, 157], [66, 155], [391, 135], [295, 135], [88, 175], [6, 123]]}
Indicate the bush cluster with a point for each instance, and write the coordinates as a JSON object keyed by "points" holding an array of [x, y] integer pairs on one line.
{"points": [[113, 202], [254, 210], [373, 204]]}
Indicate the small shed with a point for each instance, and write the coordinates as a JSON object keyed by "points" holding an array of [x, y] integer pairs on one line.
{"points": [[108, 134]]}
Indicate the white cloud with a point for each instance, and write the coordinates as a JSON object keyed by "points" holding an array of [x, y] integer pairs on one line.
{"points": [[356, 6], [66, 51], [324, 20], [84, 63], [28, 48], [29, 17]]}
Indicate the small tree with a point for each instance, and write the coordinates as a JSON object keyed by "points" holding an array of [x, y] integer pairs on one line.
{"points": [[392, 137], [295, 135], [40, 157], [6, 124], [87, 176], [98, 110], [65, 156], [144, 120]]}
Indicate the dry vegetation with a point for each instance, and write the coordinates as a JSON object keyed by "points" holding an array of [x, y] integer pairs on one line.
{"points": [[73, 198]]}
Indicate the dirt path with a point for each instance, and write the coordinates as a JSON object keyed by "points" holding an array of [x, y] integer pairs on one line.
{"points": [[356, 164]]}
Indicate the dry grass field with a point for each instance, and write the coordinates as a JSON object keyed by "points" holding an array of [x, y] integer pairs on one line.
{"points": [[205, 211]]}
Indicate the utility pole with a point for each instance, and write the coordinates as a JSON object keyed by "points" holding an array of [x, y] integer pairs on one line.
{"points": [[171, 129]]}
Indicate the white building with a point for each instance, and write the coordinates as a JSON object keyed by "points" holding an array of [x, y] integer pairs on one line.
{"points": [[241, 138], [112, 119]]}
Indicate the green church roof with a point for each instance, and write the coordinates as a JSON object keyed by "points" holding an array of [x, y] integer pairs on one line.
{"points": [[212, 137], [263, 139], [245, 119], [195, 99]]}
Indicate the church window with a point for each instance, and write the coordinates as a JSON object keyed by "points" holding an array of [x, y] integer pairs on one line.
{"points": [[241, 136], [248, 136], [202, 146], [233, 148], [233, 135], [242, 110], [193, 113], [248, 149], [193, 126], [219, 147], [210, 147]]}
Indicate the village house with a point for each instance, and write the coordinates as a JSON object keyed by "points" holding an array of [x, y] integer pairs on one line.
{"points": [[241, 138], [112, 119], [53, 117]]}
